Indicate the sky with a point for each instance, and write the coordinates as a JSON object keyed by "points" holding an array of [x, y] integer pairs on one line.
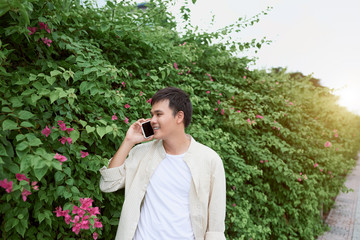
{"points": [[320, 37]]}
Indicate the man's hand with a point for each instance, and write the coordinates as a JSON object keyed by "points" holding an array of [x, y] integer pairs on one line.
{"points": [[134, 134]]}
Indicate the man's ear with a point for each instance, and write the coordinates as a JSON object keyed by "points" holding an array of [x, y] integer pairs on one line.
{"points": [[180, 117]]}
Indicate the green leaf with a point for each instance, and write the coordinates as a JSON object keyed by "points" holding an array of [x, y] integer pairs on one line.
{"points": [[6, 110], [9, 125], [83, 123], [3, 150], [11, 223], [59, 176], [25, 115], [90, 129], [22, 146], [55, 73], [27, 125], [50, 80], [74, 135], [75, 190], [40, 172], [101, 131]]}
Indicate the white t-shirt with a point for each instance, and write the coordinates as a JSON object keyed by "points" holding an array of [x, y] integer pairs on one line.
{"points": [[165, 214]]}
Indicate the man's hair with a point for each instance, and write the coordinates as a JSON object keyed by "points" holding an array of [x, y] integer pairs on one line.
{"points": [[178, 101]]}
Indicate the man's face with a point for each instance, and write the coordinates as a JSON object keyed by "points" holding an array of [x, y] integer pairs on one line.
{"points": [[164, 123]]}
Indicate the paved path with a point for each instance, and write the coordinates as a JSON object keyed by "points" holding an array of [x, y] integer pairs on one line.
{"points": [[344, 217]]}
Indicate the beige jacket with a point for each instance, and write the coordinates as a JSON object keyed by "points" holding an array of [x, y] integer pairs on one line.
{"points": [[207, 191]]}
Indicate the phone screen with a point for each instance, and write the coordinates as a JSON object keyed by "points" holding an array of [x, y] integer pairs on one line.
{"points": [[147, 129]]}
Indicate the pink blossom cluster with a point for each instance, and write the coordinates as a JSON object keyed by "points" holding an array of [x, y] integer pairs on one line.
{"points": [[289, 103], [126, 120], [47, 131], [209, 77], [81, 216], [304, 177], [262, 161], [250, 122], [42, 26], [8, 185], [336, 133], [321, 170], [327, 144]]}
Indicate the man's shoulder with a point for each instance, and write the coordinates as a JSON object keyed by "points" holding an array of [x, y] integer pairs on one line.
{"points": [[204, 150], [145, 146]]}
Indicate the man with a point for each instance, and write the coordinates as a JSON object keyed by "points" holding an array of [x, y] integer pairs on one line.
{"points": [[175, 187]]}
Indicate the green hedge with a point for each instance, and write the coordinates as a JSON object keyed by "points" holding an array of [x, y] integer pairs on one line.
{"points": [[86, 73]]}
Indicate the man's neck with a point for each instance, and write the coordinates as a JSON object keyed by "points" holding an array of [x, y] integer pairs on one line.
{"points": [[177, 145]]}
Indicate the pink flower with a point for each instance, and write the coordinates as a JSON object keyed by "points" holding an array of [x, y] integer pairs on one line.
{"points": [[67, 217], [123, 83], [234, 188], [299, 179], [62, 125], [24, 194], [220, 94], [44, 26], [86, 203], [300, 173], [84, 154], [222, 111], [258, 116], [63, 140], [216, 109], [249, 121], [234, 205], [60, 158], [8, 186], [336, 149], [97, 224], [84, 224], [315, 165], [114, 117], [35, 187], [207, 92], [69, 130], [78, 211], [130, 74], [336, 134], [126, 120], [262, 161], [127, 105], [149, 101], [21, 177], [58, 211], [46, 41], [238, 111], [176, 66], [32, 30], [95, 235], [76, 228], [94, 211], [148, 74], [277, 83], [244, 77], [218, 101], [321, 170], [327, 144], [141, 93], [69, 140], [291, 103]]}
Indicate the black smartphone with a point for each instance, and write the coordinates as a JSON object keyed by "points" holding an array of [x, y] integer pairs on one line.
{"points": [[147, 130]]}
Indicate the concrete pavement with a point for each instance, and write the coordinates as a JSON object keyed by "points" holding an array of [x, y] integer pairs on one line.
{"points": [[344, 217]]}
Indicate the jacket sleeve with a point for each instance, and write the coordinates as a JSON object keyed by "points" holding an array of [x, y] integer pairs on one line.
{"points": [[112, 179], [217, 203]]}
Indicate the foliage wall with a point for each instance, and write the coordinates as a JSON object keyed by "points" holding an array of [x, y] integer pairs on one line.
{"points": [[74, 77]]}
